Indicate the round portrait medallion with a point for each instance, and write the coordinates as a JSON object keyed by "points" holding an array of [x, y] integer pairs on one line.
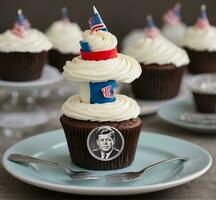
{"points": [[105, 143]]}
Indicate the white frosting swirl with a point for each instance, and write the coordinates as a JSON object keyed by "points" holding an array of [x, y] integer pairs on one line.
{"points": [[200, 39], [33, 41], [65, 36], [100, 40], [124, 108], [122, 68], [174, 33], [132, 37], [157, 50]]}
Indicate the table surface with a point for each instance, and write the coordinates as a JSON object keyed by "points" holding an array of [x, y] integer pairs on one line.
{"points": [[199, 189]]}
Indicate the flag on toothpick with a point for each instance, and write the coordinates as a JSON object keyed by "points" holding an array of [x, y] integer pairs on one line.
{"points": [[96, 22]]}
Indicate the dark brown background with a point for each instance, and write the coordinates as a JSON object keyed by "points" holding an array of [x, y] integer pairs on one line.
{"points": [[120, 16]]}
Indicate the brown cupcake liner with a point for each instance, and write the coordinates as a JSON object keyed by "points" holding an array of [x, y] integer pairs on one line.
{"points": [[77, 132], [58, 59], [18, 66], [205, 103], [201, 61], [158, 82]]}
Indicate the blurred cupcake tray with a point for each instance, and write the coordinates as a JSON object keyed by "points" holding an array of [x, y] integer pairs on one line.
{"points": [[20, 110], [50, 75]]}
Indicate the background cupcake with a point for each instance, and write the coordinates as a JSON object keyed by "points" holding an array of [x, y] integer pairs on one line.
{"points": [[65, 36], [102, 128], [162, 64], [173, 28], [200, 44], [23, 51]]}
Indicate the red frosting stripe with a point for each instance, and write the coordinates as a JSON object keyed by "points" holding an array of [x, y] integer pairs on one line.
{"points": [[99, 55]]}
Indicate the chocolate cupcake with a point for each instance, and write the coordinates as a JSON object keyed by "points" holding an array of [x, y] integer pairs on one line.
{"points": [[23, 52], [162, 63], [173, 27], [101, 128], [200, 44], [65, 36], [203, 88]]}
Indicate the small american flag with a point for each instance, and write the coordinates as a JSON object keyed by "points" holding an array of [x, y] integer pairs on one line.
{"points": [[96, 23], [151, 30], [202, 21], [19, 25], [108, 91], [173, 16]]}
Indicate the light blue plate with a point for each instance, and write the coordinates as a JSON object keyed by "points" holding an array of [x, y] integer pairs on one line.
{"points": [[172, 112], [152, 148]]}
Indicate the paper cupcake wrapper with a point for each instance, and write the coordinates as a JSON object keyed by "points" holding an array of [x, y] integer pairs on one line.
{"points": [[158, 82], [77, 132], [201, 61], [17, 66], [58, 59], [205, 103]]}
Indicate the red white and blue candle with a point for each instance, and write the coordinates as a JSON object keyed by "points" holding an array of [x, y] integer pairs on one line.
{"points": [[65, 17], [173, 16], [20, 24], [151, 30], [202, 21]]}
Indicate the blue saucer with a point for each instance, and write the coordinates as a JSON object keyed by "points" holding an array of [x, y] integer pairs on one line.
{"points": [[173, 111], [151, 148]]}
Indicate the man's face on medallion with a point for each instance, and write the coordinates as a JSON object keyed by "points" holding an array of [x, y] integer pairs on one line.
{"points": [[105, 142]]}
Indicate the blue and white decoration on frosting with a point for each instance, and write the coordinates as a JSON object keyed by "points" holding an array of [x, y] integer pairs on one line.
{"points": [[102, 92]]}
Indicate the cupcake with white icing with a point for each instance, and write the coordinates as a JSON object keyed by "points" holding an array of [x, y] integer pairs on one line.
{"points": [[173, 27], [65, 36], [23, 51], [200, 44], [162, 62], [101, 127]]}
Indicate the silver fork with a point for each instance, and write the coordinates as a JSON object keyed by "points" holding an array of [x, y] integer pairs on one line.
{"points": [[77, 175], [131, 176]]}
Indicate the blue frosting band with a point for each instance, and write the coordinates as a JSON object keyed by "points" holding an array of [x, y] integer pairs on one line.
{"points": [[102, 92]]}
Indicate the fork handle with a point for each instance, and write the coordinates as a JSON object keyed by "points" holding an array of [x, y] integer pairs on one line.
{"points": [[24, 159], [182, 158]]}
